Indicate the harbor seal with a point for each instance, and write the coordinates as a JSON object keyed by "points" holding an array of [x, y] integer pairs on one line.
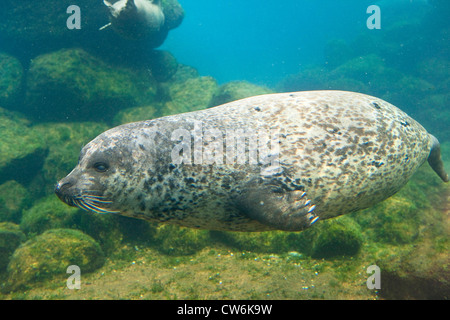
{"points": [[135, 19], [269, 162]]}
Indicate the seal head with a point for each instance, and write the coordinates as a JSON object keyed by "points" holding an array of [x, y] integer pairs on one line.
{"points": [[136, 19]]}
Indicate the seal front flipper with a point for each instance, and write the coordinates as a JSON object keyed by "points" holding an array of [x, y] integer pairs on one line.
{"points": [[288, 210]]}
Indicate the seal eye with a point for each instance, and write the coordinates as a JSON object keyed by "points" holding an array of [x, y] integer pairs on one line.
{"points": [[101, 166]]}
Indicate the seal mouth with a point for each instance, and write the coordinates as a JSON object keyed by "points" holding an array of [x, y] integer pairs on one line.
{"points": [[92, 202]]}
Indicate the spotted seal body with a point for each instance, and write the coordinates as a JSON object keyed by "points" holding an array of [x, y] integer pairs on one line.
{"points": [[318, 154]]}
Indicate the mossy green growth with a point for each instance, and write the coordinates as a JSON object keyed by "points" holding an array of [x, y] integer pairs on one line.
{"points": [[163, 65], [180, 241], [370, 70], [137, 114], [14, 197], [104, 228], [48, 213], [64, 142], [11, 77], [236, 90], [21, 151], [189, 95], [173, 13], [10, 238], [336, 238], [51, 213], [91, 88], [49, 254], [264, 242]]}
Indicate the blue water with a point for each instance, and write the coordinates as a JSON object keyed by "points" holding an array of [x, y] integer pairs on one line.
{"points": [[263, 41]]}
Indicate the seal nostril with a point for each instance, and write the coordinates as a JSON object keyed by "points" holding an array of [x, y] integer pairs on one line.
{"points": [[61, 187]]}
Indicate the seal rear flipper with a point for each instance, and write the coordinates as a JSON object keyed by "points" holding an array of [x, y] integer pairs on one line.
{"points": [[288, 211], [435, 160]]}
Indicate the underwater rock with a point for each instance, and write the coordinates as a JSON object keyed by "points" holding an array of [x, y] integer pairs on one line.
{"points": [[370, 70], [173, 13], [49, 254], [183, 73], [180, 241], [137, 114], [236, 90], [163, 65], [46, 25], [48, 213], [14, 197], [11, 78], [63, 141], [10, 238], [339, 237], [422, 273], [263, 242], [310, 78], [71, 84], [21, 152], [189, 95]]}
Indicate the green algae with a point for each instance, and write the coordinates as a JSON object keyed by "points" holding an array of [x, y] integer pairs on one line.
{"points": [[50, 253], [236, 90], [11, 78], [10, 238], [14, 197], [92, 86]]}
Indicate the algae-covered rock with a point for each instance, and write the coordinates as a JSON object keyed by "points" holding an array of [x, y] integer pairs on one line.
{"points": [[137, 114], [310, 78], [337, 237], [104, 228], [173, 13], [22, 153], [71, 84], [14, 197], [189, 95], [48, 213], [11, 77], [236, 90], [10, 238], [37, 26], [163, 65], [421, 273], [51, 213], [49, 254], [174, 240], [370, 70], [64, 142], [267, 242]]}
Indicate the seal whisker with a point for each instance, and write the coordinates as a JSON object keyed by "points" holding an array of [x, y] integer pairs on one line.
{"points": [[93, 207], [95, 199]]}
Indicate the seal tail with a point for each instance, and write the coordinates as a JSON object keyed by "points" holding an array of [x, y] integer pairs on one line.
{"points": [[435, 161]]}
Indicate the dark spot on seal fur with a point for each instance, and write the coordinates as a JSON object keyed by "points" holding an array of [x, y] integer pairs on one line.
{"points": [[377, 164], [404, 123], [376, 105]]}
